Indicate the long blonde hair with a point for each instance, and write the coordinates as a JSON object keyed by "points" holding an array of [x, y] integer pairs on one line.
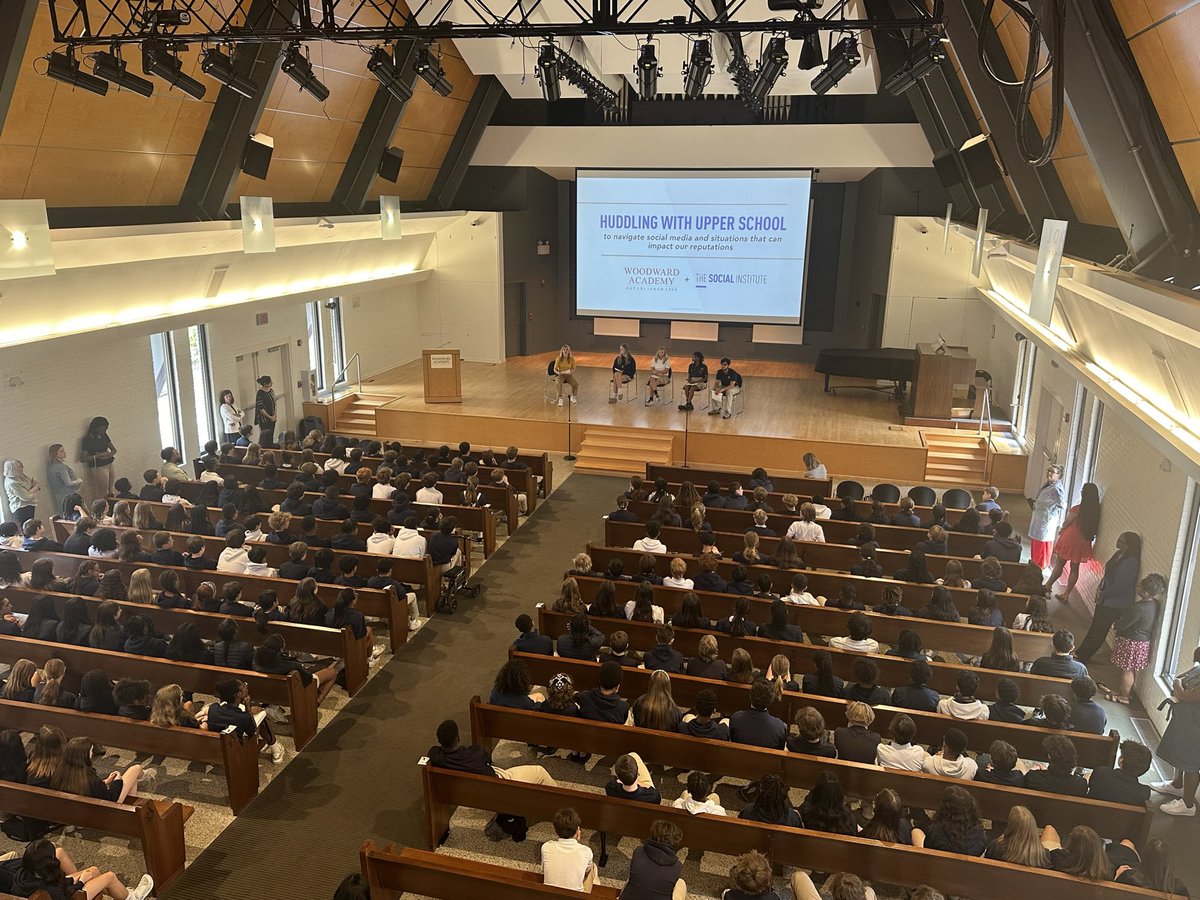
{"points": [[45, 753], [750, 547], [20, 678], [569, 600], [779, 673], [141, 587], [51, 683], [1021, 842], [658, 709], [143, 517], [168, 706], [122, 514]]}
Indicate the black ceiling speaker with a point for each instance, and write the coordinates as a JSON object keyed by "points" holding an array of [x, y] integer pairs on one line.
{"points": [[257, 158], [389, 164]]}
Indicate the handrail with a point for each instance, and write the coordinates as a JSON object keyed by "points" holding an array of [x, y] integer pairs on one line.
{"points": [[356, 360], [985, 413]]}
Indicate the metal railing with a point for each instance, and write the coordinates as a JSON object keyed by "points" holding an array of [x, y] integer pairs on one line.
{"points": [[338, 376], [985, 415]]}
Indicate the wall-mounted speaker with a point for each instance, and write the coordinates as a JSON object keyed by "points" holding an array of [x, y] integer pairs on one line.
{"points": [[980, 162], [257, 158], [389, 164], [949, 168]]}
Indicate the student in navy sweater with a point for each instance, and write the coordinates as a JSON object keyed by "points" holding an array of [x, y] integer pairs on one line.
{"points": [[756, 726], [528, 640]]}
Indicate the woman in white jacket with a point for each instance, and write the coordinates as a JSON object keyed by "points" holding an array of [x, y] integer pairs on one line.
{"points": [[21, 490], [231, 416]]}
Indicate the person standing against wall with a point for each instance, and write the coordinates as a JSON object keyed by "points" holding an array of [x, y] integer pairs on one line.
{"points": [[231, 416], [21, 490], [97, 452], [62, 478], [265, 412], [1117, 592], [1048, 507]]}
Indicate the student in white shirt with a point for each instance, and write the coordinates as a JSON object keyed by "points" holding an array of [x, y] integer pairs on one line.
{"points": [[567, 863], [210, 472], [256, 563], [428, 492], [409, 543], [650, 543], [699, 797], [902, 753], [860, 640], [234, 558], [337, 461], [799, 594], [806, 528], [964, 705], [382, 489], [381, 540], [254, 532], [818, 504], [642, 605], [678, 577], [952, 761]]}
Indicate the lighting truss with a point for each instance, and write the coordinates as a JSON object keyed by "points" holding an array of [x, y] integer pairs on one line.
{"points": [[574, 73], [106, 23]]}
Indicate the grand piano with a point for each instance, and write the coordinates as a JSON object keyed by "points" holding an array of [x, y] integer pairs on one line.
{"points": [[894, 364]]}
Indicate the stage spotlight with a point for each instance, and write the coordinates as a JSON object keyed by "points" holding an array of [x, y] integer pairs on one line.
{"points": [[773, 63], [647, 71], [168, 18], [843, 57], [112, 69], [698, 68], [547, 72], [64, 67], [926, 56], [382, 65], [297, 67], [219, 67], [158, 60], [430, 69], [803, 28]]}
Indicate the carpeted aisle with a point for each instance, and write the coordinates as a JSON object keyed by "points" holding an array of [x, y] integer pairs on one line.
{"points": [[358, 778]]}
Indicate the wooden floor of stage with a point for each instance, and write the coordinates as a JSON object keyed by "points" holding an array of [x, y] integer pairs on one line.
{"points": [[782, 399]]}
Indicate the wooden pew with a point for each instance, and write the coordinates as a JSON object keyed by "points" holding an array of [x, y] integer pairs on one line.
{"points": [[378, 603], [952, 873], [155, 824], [869, 590], [893, 670], [796, 484], [830, 622], [1094, 750], [338, 643], [278, 689], [830, 555], [860, 780], [391, 872], [499, 498], [238, 757]]}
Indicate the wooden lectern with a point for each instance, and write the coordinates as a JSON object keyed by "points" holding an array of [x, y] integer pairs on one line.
{"points": [[935, 378], [442, 373]]}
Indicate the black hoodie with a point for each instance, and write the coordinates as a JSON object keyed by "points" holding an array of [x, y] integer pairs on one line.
{"points": [[653, 871], [601, 707]]}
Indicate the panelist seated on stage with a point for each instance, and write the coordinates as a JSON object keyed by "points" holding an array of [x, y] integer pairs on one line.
{"points": [[726, 385], [624, 370], [563, 370], [697, 379], [660, 374]]}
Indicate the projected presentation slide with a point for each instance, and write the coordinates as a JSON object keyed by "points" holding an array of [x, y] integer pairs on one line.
{"points": [[707, 246]]}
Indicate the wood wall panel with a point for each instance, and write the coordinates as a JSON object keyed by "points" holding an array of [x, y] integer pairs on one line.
{"points": [[15, 165], [1189, 160], [66, 177]]}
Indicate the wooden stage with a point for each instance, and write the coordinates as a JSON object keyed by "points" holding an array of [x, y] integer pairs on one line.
{"points": [[785, 414]]}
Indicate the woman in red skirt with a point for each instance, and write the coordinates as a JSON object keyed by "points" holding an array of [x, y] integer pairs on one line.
{"points": [[1075, 542]]}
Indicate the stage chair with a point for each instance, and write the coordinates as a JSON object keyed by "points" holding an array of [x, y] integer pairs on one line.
{"points": [[666, 394], [549, 386], [629, 389], [738, 406]]}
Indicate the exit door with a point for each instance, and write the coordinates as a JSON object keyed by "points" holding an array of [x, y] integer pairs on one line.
{"points": [[275, 362], [516, 318], [1050, 442]]}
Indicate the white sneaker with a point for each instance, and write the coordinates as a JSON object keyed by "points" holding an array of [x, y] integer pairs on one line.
{"points": [[276, 752], [573, 400], [143, 889], [1166, 787], [1178, 808], [560, 401]]}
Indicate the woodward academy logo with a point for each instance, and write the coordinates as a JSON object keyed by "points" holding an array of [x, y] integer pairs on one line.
{"points": [[650, 275]]}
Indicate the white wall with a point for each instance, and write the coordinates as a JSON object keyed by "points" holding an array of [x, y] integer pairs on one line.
{"points": [[383, 326], [462, 303], [929, 293]]}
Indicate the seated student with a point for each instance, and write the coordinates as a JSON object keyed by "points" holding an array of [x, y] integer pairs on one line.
{"points": [[760, 524], [812, 738], [1058, 777], [622, 513], [806, 528], [1002, 767], [347, 538], [1154, 869], [662, 655], [616, 572], [1086, 714], [1004, 546], [1005, 709], [906, 514], [756, 726], [738, 625], [528, 640], [902, 753], [631, 781], [321, 570], [141, 639], [955, 827], [409, 542], [267, 608], [739, 582], [735, 496], [952, 760], [309, 533], [270, 480], [758, 500], [512, 688], [707, 662], [865, 687], [700, 722], [360, 509], [650, 543], [891, 602], [941, 607], [984, 612], [348, 573], [582, 640], [935, 541], [858, 626], [1121, 785], [799, 595], [780, 627], [917, 695], [854, 740], [708, 579], [165, 553], [867, 567], [234, 557], [642, 608], [401, 509], [566, 862], [48, 871], [271, 658], [847, 512], [35, 537], [132, 697], [256, 563], [231, 601], [847, 599], [228, 520], [152, 490], [994, 518], [169, 595], [822, 681], [713, 498], [991, 576], [383, 580], [1062, 663], [328, 506], [964, 704], [618, 651], [764, 588], [699, 797], [655, 867], [988, 503], [295, 568], [646, 564], [603, 703]]}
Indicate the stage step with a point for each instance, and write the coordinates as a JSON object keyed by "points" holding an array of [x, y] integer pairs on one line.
{"points": [[955, 458], [623, 450], [358, 416]]}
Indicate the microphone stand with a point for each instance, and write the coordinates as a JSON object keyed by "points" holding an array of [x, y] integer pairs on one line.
{"points": [[687, 418], [570, 457]]}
